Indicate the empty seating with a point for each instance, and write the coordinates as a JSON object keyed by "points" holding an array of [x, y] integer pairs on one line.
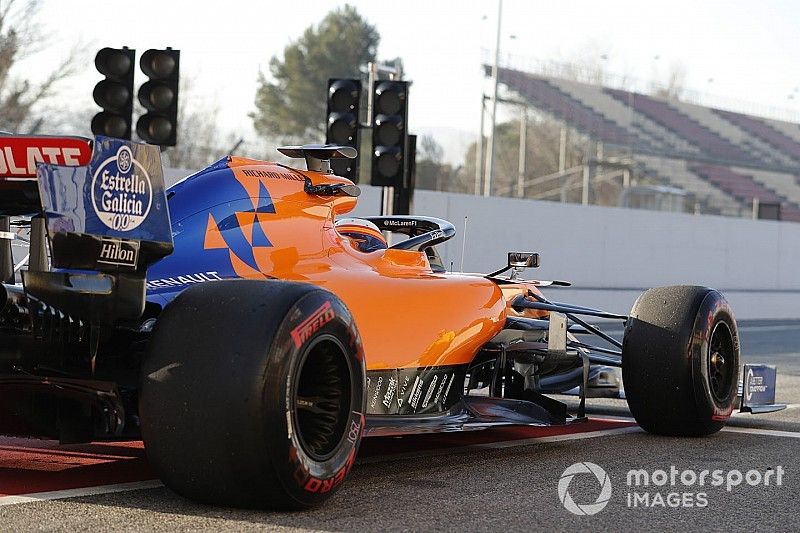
{"points": [[763, 131], [636, 124], [676, 173], [666, 115], [564, 107], [745, 188], [687, 145]]}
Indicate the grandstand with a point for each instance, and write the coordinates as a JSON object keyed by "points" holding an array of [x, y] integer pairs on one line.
{"points": [[729, 163]]}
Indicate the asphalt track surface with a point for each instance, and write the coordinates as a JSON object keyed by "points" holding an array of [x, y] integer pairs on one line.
{"points": [[506, 480]]}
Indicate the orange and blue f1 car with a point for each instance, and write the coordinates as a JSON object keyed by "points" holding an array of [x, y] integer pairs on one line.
{"points": [[252, 335]]}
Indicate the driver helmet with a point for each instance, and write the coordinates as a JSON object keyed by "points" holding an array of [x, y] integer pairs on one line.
{"points": [[363, 234]]}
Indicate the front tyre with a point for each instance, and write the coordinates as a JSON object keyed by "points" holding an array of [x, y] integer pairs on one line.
{"points": [[253, 394], [680, 361]]}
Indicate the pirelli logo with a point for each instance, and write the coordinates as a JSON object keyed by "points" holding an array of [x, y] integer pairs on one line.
{"points": [[312, 324]]}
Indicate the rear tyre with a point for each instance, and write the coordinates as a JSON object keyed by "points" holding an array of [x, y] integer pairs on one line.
{"points": [[680, 361], [253, 394]]}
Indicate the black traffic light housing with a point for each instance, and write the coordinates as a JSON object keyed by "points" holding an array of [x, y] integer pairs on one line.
{"points": [[389, 133], [404, 196], [342, 124], [115, 93], [159, 96]]}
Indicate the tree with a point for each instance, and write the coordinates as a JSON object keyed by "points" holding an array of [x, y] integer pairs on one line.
{"points": [[20, 36], [291, 103], [674, 86], [431, 171], [199, 142]]}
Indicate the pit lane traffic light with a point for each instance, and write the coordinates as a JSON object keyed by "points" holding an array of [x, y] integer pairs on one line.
{"points": [[342, 124], [389, 133], [159, 96], [115, 93]]}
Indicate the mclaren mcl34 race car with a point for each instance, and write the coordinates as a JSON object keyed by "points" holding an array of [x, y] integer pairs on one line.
{"points": [[251, 337]]}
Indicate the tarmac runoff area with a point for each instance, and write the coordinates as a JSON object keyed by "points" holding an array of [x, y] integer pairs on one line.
{"points": [[514, 479]]}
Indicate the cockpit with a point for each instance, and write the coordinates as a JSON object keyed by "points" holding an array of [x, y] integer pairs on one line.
{"points": [[423, 233]]}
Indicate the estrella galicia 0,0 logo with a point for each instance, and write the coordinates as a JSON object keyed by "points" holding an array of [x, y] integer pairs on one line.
{"points": [[122, 192]]}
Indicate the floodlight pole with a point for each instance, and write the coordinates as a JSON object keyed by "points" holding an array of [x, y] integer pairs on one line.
{"points": [[523, 148], [487, 182], [479, 149]]}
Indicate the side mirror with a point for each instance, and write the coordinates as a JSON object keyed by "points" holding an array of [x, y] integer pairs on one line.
{"points": [[523, 260], [335, 189]]}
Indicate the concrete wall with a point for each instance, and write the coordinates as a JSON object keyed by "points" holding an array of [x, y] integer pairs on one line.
{"points": [[612, 254]]}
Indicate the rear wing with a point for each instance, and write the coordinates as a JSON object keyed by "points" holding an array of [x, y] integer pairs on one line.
{"points": [[106, 221], [108, 216]]}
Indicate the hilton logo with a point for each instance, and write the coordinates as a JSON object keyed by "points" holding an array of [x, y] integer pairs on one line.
{"points": [[119, 252]]}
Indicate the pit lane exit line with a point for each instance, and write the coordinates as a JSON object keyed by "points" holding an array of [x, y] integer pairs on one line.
{"points": [[765, 432], [75, 493]]}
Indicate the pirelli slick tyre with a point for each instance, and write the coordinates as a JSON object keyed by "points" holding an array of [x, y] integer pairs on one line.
{"points": [[252, 394], [680, 361]]}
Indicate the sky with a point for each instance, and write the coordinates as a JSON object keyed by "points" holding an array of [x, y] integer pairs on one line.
{"points": [[744, 54]]}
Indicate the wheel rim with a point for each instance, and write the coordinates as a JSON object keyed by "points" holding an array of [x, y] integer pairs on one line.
{"points": [[721, 361], [322, 397]]}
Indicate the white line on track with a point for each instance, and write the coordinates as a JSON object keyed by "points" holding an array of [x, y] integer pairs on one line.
{"points": [[765, 432], [74, 493], [734, 429]]}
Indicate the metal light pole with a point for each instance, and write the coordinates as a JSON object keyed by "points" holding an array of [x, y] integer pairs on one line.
{"points": [[479, 149], [523, 148], [487, 182]]}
